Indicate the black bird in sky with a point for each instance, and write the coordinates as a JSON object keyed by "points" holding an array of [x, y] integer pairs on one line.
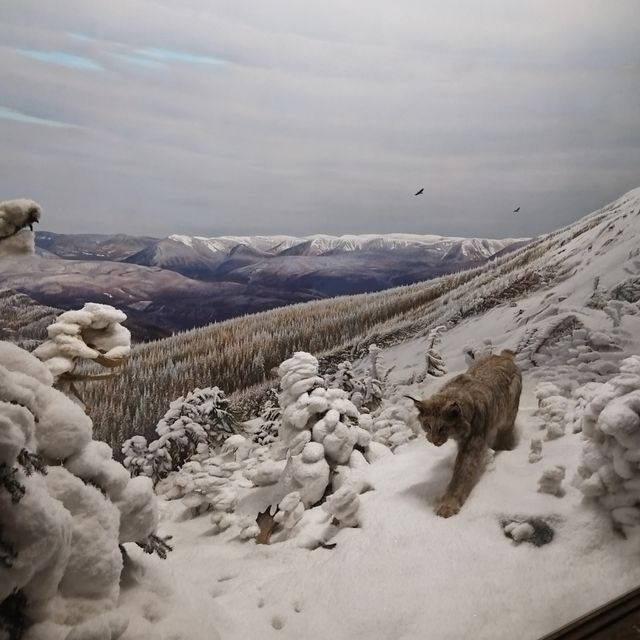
{"points": [[516, 209], [417, 193]]}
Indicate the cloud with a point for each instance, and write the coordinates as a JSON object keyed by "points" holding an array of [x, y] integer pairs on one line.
{"points": [[61, 58], [278, 118], [167, 55], [25, 118], [139, 61]]}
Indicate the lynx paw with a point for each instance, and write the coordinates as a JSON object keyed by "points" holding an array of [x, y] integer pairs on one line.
{"points": [[447, 508]]}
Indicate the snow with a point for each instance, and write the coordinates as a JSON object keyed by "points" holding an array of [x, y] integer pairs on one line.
{"points": [[551, 531], [138, 510], [93, 332], [94, 463], [610, 468], [95, 562], [519, 531], [59, 535], [406, 573], [309, 473], [194, 424], [387, 577], [15, 217], [343, 505], [551, 481], [41, 528], [14, 358]]}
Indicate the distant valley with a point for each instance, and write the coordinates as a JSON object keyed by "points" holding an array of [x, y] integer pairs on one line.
{"points": [[179, 282]]}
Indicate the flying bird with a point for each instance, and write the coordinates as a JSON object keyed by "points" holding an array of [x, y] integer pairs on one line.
{"points": [[516, 209], [417, 193]]}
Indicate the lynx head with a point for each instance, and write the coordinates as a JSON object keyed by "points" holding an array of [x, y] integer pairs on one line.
{"points": [[441, 418]]}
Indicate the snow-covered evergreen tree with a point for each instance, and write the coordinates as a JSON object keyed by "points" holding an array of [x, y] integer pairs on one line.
{"points": [[617, 309], [342, 378], [270, 416], [392, 425], [599, 297], [375, 368], [137, 457], [373, 381], [434, 363], [629, 290], [365, 392], [320, 449], [194, 425], [60, 532], [610, 466]]}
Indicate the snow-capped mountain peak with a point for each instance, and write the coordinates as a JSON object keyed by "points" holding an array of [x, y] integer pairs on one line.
{"points": [[321, 244]]}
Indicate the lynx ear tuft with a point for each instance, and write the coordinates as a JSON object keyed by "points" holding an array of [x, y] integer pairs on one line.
{"points": [[415, 400]]}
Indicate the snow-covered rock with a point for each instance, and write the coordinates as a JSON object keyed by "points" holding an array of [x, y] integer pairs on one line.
{"points": [[552, 408], [551, 481], [535, 450], [519, 531]]}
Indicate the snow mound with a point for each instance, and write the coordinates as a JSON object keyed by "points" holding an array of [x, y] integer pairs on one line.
{"points": [[609, 471]]}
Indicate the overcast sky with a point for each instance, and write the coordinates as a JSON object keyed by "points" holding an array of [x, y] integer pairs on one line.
{"points": [[216, 117]]}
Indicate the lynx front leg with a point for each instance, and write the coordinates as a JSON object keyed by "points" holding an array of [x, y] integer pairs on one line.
{"points": [[466, 472]]}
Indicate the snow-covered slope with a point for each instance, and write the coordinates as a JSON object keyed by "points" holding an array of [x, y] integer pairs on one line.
{"points": [[406, 573]]}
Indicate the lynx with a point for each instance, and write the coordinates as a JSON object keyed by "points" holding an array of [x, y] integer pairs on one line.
{"points": [[478, 410]]}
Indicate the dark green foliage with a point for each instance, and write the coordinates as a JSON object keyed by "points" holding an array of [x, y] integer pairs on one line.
{"points": [[31, 462], [156, 544], [271, 415], [12, 617], [598, 299], [7, 552], [629, 290], [9, 481], [95, 485], [202, 418]]}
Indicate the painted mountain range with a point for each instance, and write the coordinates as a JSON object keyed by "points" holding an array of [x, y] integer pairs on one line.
{"points": [[179, 282]]}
